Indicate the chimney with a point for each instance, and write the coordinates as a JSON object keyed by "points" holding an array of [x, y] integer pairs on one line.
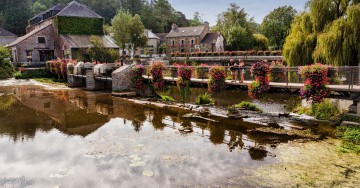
{"points": [[174, 27]]}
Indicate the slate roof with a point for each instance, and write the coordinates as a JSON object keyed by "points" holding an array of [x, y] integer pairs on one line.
{"points": [[6, 33], [210, 38], [75, 9], [20, 39], [83, 41], [186, 31], [162, 37], [150, 35]]}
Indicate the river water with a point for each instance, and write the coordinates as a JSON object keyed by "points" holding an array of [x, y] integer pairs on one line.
{"points": [[73, 138]]}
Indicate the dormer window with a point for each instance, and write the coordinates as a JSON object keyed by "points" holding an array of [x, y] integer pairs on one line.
{"points": [[41, 40]]}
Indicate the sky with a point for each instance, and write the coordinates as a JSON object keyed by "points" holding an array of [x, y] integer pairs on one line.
{"points": [[209, 9]]}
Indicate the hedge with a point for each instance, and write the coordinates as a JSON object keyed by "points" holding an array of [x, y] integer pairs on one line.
{"points": [[79, 26]]}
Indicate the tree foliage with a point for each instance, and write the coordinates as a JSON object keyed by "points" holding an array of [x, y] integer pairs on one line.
{"points": [[120, 27], [236, 27], [101, 54], [328, 33], [137, 37], [197, 20], [261, 42], [276, 24]]}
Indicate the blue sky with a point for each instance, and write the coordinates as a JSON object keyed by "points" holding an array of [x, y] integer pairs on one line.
{"points": [[209, 9]]}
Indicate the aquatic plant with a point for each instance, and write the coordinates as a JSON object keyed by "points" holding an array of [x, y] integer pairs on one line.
{"points": [[316, 79], [248, 106], [350, 136], [137, 76], [166, 98], [183, 81], [260, 86], [156, 71], [325, 110], [201, 71], [204, 99], [216, 81]]}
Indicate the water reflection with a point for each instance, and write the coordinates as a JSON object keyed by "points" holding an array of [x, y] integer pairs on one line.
{"points": [[93, 136]]}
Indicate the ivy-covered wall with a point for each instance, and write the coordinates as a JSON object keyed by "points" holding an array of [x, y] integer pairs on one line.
{"points": [[79, 25]]}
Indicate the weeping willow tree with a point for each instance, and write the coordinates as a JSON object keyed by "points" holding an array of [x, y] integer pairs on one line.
{"points": [[339, 44], [328, 33]]}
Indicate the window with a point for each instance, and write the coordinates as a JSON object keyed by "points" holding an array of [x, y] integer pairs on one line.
{"points": [[192, 42], [172, 43], [182, 50], [41, 40], [182, 42]]}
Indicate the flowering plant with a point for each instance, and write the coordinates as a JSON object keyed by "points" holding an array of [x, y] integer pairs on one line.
{"points": [[260, 85], [201, 71], [183, 81], [156, 71], [217, 78], [137, 72], [316, 79]]}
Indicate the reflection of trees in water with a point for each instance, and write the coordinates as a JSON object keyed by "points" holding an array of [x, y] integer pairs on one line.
{"points": [[235, 141], [21, 123], [217, 134], [257, 153], [6, 101], [157, 118]]}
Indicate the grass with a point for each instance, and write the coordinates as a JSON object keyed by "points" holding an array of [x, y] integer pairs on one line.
{"points": [[350, 136], [325, 110], [204, 99], [248, 106], [167, 98], [51, 81]]}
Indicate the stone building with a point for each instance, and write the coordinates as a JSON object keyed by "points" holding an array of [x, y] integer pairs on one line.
{"points": [[193, 39], [60, 32], [153, 42], [6, 37]]}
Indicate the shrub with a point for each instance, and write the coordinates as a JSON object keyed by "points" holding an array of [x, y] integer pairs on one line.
{"points": [[233, 53], [6, 68], [216, 81], [183, 81], [156, 71], [260, 86], [350, 136], [138, 80], [251, 52], [167, 98], [324, 110], [215, 53], [204, 99], [316, 79], [248, 106], [201, 71]]}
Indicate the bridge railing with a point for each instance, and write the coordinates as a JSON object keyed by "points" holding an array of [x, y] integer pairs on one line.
{"points": [[345, 75]]}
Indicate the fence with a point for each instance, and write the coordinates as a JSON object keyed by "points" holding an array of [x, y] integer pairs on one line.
{"points": [[344, 76]]}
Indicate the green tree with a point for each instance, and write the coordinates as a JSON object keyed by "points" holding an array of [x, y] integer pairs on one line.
{"points": [[261, 42], [137, 37], [16, 13], [99, 53], [197, 20], [276, 25], [328, 33], [120, 27], [236, 27], [163, 12], [133, 6]]}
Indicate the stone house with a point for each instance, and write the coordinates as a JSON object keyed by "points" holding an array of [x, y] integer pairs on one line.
{"points": [[193, 39], [60, 32], [6, 37], [153, 42]]}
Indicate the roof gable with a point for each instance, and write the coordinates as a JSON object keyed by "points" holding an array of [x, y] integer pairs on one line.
{"points": [[210, 38], [75, 9], [6, 33], [33, 32], [186, 31]]}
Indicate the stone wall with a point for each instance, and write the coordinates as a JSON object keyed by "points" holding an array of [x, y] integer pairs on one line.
{"points": [[188, 48], [121, 79], [31, 43]]}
